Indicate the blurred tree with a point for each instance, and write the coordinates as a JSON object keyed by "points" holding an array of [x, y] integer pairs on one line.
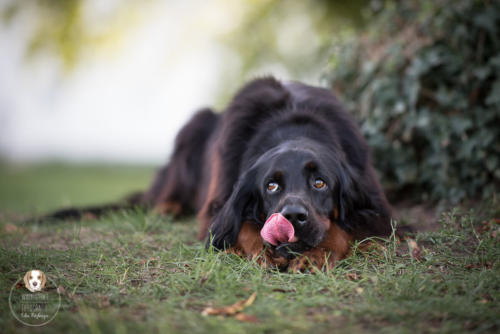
{"points": [[290, 39], [295, 34], [292, 35], [70, 27]]}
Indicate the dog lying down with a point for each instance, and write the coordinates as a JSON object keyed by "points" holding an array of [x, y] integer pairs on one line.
{"points": [[283, 175]]}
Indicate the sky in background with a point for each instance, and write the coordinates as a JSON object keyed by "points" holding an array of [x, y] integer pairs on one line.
{"points": [[121, 103]]}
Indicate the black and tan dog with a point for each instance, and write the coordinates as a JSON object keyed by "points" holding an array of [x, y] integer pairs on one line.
{"points": [[285, 148]]}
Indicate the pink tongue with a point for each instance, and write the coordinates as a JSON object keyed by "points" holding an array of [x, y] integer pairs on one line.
{"points": [[278, 229]]}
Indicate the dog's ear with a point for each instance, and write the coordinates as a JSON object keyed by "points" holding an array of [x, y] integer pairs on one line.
{"points": [[44, 280], [26, 279], [361, 204], [243, 204]]}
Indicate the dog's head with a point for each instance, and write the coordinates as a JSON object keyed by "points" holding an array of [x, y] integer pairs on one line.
{"points": [[295, 182], [35, 280], [306, 182]]}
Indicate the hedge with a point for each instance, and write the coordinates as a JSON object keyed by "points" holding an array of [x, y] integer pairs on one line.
{"points": [[423, 80]]}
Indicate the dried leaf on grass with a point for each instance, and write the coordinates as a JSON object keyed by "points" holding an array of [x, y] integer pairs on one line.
{"points": [[415, 250], [11, 228], [352, 276], [61, 290], [246, 318], [372, 246], [203, 279], [491, 226], [231, 309], [488, 225]]}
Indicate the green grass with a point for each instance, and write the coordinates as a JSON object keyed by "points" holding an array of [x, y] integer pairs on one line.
{"points": [[136, 272], [38, 188]]}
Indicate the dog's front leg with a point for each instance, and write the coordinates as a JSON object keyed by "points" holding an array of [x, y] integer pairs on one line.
{"points": [[250, 245]]}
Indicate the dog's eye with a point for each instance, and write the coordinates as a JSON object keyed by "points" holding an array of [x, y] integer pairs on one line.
{"points": [[31, 277], [272, 187], [319, 184], [38, 277]]}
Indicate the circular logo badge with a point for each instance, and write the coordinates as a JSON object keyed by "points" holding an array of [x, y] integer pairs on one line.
{"points": [[34, 300]]}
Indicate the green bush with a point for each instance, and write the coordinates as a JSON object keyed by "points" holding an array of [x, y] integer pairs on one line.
{"points": [[424, 82]]}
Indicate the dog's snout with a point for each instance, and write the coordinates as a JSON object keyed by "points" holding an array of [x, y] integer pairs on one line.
{"points": [[296, 214], [35, 283]]}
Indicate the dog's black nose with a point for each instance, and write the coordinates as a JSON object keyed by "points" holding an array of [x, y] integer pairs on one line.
{"points": [[35, 283], [296, 214]]}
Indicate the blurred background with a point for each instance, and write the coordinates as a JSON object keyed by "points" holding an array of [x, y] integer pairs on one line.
{"points": [[112, 81], [92, 93]]}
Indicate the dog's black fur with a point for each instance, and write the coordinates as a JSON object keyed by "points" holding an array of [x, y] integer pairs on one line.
{"points": [[290, 134]]}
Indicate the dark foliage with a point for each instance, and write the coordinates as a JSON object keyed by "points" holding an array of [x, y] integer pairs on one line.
{"points": [[424, 82]]}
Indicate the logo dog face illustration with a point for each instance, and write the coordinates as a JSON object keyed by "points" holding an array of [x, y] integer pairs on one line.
{"points": [[34, 280]]}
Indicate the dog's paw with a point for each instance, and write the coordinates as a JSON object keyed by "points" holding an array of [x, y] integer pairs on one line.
{"points": [[313, 260], [264, 257], [270, 259]]}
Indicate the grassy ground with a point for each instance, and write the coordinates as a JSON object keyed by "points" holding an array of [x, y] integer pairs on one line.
{"points": [[136, 272], [31, 189]]}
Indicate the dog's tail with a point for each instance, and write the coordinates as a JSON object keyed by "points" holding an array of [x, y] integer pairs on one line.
{"points": [[132, 201]]}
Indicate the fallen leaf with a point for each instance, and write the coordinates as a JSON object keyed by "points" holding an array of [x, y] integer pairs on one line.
{"points": [[490, 225], [414, 249], [10, 228], [61, 290], [359, 290], [246, 318], [231, 309], [352, 276], [372, 246], [203, 280]]}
